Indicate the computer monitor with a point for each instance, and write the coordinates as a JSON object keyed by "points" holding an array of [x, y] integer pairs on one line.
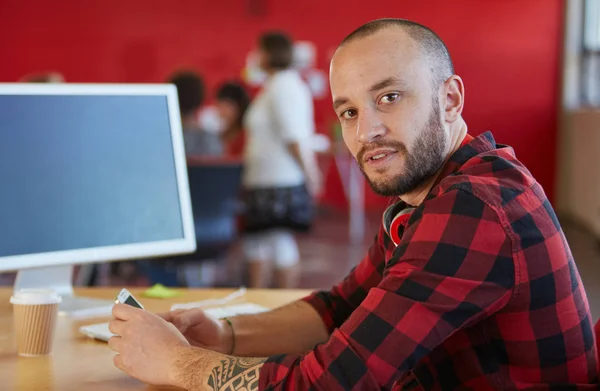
{"points": [[89, 173]]}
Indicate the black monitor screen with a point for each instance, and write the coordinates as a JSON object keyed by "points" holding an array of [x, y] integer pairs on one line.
{"points": [[85, 171]]}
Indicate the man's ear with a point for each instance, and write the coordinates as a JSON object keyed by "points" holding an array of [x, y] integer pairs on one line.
{"points": [[454, 91]]}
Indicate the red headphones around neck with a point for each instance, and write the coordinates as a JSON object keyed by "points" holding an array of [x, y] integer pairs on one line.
{"points": [[395, 219]]}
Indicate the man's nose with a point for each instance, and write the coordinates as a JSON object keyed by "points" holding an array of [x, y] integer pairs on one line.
{"points": [[369, 127]]}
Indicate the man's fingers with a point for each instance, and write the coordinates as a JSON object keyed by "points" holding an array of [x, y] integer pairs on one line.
{"points": [[117, 326], [189, 318], [168, 316], [115, 344], [118, 361], [124, 311]]}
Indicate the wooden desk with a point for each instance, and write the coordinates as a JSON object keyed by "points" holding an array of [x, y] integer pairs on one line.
{"points": [[79, 363]]}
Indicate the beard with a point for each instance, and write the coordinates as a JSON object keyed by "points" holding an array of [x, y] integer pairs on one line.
{"points": [[421, 164]]}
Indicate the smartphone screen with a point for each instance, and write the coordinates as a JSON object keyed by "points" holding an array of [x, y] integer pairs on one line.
{"points": [[132, 302], [126, 297]]}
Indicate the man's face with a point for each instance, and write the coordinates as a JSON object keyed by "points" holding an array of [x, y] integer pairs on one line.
{"points": [[388, 106]]}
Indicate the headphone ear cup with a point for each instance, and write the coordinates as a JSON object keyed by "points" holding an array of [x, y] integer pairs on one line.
{"points": [[398, 224], [389, 214]]}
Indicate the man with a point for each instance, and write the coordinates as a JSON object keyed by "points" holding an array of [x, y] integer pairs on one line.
{"points": [[480, 293], [190, 92]]}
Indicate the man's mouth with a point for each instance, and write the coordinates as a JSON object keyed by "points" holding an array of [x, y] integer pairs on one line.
{"points": [[378, 155]]}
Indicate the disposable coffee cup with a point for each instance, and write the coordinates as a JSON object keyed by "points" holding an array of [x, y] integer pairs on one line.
{"points": [[35, 312]]}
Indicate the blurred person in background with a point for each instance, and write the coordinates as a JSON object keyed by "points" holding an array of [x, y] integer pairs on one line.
{"points": [[232, 103], [43, 77], [190, 91], [280, 172]]}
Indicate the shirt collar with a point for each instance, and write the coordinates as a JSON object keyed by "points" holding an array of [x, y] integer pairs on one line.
{"points": [[471, 147], [477, 145]]}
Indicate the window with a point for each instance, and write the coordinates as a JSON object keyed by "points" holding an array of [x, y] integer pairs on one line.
{"points": [[590, 66]]}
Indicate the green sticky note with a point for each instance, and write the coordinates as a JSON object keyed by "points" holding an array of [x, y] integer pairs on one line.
{"points": [[160, 291]]}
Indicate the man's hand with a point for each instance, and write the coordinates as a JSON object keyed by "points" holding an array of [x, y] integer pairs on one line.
{"points": [[154, 351], [148, 347], [201, 330]]}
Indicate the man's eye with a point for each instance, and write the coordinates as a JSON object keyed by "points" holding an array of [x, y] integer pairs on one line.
{"points": [[348, 114], [389, 98]]}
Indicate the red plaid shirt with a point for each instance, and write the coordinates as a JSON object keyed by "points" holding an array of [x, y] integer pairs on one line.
{"points": [[481, 294]]}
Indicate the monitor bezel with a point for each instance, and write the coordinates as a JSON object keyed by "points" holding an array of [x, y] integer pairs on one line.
{"points": [[122, 252]]}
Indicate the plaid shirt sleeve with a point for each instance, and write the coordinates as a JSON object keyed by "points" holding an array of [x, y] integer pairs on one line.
{"points": [[336, 305], [452, 268]]}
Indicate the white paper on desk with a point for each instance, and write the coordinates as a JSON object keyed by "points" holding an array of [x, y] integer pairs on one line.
{"points": [[235, 310], [210, 302]]}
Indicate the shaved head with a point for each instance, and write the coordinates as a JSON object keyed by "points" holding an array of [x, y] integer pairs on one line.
{"points": [[429, 42]]}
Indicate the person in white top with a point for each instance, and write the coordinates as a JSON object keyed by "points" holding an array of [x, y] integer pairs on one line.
{"points": [[280, 173]]}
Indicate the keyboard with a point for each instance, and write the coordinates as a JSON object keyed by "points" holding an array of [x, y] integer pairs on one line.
{"points": [[101, 332]]}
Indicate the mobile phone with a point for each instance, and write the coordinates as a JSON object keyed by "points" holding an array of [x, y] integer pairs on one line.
{"points": [[125, 297]]}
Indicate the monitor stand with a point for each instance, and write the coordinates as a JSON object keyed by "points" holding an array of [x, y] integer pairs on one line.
{"points": [[60, 279]]}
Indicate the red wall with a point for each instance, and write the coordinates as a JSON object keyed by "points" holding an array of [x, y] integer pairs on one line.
{"points": [[507, 51]]}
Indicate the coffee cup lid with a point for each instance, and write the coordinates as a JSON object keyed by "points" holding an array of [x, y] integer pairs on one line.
{"points": [[35, 296]]}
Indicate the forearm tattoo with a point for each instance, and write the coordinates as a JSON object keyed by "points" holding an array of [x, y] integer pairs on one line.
{"points": [[236, 374]]}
